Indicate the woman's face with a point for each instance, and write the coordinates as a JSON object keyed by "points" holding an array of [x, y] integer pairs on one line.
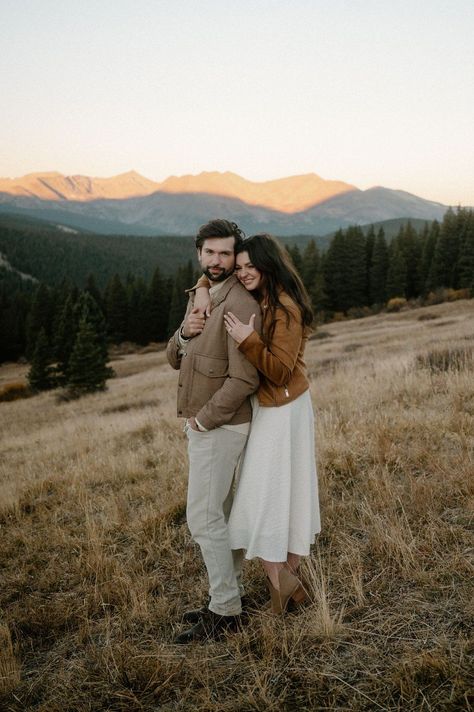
{"points": [[246, 273]]}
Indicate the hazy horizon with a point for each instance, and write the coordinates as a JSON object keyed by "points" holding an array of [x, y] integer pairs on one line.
{"points": [[369, 93]]}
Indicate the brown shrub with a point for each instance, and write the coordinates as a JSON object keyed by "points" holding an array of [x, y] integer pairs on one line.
{"points": [[452, 295], [436, 297], [15, 391], [447, 295], [396, 304], [359, 312]]}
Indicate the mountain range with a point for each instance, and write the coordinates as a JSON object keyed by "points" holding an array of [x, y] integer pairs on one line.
{"points": [[132, 204]]}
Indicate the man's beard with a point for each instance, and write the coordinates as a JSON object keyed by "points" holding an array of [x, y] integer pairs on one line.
{"points": [[219, 278]]}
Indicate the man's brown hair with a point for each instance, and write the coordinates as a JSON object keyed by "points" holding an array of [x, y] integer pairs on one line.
{"points": [[219, 228]]}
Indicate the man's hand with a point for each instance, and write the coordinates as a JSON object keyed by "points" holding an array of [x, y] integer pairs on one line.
{"points": [[192, 423], [202, 300], [193, 324]]}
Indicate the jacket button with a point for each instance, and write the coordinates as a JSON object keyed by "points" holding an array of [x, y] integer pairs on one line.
{"points": [[180, 412], [211, 370], [180, 385]]}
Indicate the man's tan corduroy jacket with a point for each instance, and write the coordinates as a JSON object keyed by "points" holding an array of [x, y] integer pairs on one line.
{"points": [[216, 379]]}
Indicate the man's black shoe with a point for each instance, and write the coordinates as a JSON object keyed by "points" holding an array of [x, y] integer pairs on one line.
{"points": [[210, 626], [194, 616]]}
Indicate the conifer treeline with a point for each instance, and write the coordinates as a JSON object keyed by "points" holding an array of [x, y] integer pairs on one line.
{"points": [[357, 271], [131, 311], [365, 271]]}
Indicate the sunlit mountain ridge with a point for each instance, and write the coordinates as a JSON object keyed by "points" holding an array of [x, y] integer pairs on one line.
{"points": [[291, 194], [132, 204]]}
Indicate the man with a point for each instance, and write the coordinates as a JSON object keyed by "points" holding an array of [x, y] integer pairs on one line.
{"points": [[214, 387]]}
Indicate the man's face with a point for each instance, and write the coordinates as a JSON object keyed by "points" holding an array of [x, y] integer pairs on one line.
{"points": [[217, 258]]}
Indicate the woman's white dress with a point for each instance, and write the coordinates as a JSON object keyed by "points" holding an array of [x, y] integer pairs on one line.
{"points": [[276, 505]]}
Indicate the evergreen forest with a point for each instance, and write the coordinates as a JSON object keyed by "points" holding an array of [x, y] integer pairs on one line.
{"points": [[63, 320]]}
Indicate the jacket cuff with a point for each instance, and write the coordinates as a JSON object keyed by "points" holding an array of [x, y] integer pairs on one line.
{"points": [[249, 342], [205, 422], [202, 282], [200, 426]]}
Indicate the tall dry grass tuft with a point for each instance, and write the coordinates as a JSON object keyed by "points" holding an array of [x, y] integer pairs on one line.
{"points": [[9, 665], [97, 565]]}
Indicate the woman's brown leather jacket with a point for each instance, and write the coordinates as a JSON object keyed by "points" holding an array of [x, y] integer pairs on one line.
{"points": [[281, 366]]}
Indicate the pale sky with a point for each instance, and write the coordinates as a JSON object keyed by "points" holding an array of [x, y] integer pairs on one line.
{"points": [[372, 92]]}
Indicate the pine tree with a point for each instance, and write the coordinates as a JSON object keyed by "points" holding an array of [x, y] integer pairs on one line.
{"points": [[138, 328], [428, 260], [296, 258], [87, 371], [335, 271], [189, 277], [428, 243], [355, 288], [397, 272], [116, 310], [84, 308], [313, 277], [466, 255], [409, 244], [14, 308], [160, 301], [378, 270], [65, 336], [310, 264], [39, 317], [41, 373], [447, 251], [178, 303], [88, 309], [369, 251], [92, 288]]}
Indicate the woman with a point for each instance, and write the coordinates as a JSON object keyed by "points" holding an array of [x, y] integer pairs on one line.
{"points": [[275, 514]]}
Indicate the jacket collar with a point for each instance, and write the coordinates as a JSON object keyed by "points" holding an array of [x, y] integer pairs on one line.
{"points": [[224, 290]]}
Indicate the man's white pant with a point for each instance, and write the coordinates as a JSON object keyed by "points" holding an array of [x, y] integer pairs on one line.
{"points": [[213, 458]]}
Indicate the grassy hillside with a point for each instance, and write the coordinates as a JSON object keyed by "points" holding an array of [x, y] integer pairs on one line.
{"points": [[97, 565]]}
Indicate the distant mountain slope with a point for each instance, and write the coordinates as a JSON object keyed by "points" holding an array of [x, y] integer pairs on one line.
{"points": [[7, 267], [55, 186], [49, 253], [370, 206], [285, 194], [163, 213]]}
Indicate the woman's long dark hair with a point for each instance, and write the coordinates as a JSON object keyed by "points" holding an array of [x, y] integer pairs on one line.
{"points": [[279, 273]]}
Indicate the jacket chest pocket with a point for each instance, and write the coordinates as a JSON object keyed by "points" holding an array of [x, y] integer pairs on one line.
{"points": [[211, 366], [209, 374]]}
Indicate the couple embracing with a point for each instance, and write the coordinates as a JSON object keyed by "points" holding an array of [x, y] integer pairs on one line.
{"points": [[244, 392]]}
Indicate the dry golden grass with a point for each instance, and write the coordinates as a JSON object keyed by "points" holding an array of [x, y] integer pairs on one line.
{"points": [[96, 563]]}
